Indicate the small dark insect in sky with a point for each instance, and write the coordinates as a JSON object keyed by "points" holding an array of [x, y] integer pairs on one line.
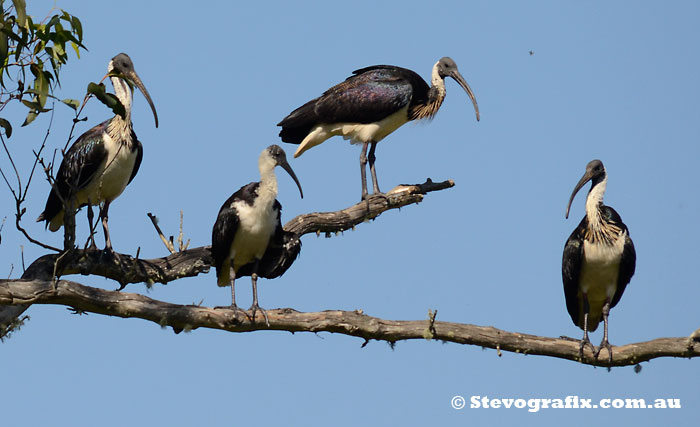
{"points": [[532, 52]]}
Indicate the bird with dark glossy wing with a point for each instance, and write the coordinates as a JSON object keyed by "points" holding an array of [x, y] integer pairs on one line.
{"points": [[248, 237], [103, 161], [368, 106], [598, 262]]}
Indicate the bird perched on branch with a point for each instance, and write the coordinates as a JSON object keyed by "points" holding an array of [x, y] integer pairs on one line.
{"points": [[598, 262], [104, 160], [368, 106], [248, 237]]}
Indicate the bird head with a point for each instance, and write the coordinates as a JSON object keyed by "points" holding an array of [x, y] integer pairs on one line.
{"points": [[278, 156], [121, 67], [446, 67], [595, 172]]}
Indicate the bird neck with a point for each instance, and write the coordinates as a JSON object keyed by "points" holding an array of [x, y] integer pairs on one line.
{"points": [[600, 229], [594, 201], [123, 92], [437, 83], [267, 191], [120, 127], [436, 94]]}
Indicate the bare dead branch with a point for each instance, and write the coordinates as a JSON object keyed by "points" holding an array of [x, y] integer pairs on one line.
{"points": [[168, 245], [353, 323], [333, 222], [39, 286]]}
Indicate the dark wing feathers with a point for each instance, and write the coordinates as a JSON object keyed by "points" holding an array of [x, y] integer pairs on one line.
{"points": [[77, 168], [571, 269], [139, 157], [222, 235], [368, 96], [227, 223], [571, 264], [281, 253], [629, 256]]}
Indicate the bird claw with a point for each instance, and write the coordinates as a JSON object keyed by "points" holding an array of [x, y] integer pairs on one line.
{"points": [[235, 310], [582, 344], [604, 344], [368, 197], [253, 308]]}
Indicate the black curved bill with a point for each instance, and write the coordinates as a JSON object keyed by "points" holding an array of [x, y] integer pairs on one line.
{"points": [[584, 179], [284, 165], [459, 79], [134, 78]]}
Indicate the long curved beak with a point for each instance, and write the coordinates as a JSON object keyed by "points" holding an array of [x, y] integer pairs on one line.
{"points": [[284, 165], [584, 179], [459, 79], [134, 78]]}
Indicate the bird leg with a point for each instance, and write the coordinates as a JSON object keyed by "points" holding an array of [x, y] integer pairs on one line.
{"points": [[234, 307], [91, 217], [605, 343], [255, 307], [363, 172], [233, 294], [104, 214], [371, 159], [585, 339]]}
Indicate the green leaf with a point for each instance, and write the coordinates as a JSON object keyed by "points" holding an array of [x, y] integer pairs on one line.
{"points": [[30, 118], [41, 82], [77, 50], [77, 27], [3, 38], [72, 103], [53, 21], [3, 49], [35, 106], [107, 99], [7, 126], [31, 104], [21, 10]]}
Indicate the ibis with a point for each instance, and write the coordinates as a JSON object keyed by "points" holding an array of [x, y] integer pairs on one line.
{"points": [[368, 106], [104, 160], [247, 224], [598, 262]]}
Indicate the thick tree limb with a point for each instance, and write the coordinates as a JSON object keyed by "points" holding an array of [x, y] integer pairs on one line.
{"points": [[353, 323], [38, 286], [126, 269]]}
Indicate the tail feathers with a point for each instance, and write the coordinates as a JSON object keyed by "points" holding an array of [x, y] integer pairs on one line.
{"points": [[294, 135], [53, 212], [223, 274], [299, 123]]}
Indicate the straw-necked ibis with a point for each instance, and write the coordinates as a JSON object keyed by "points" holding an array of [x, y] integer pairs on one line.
{"points": [[102, 161], [598, 262], [248, 223], [368, 106]]}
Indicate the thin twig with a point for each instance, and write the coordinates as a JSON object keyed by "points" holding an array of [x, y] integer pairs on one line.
{"points": [[179, 236], [167, 244]]}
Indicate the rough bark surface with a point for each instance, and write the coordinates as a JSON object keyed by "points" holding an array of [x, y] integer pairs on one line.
{"points": [[39, 286], [355, 323]]}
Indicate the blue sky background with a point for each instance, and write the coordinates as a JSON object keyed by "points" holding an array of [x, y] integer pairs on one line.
{"points": [[611, 80]]}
